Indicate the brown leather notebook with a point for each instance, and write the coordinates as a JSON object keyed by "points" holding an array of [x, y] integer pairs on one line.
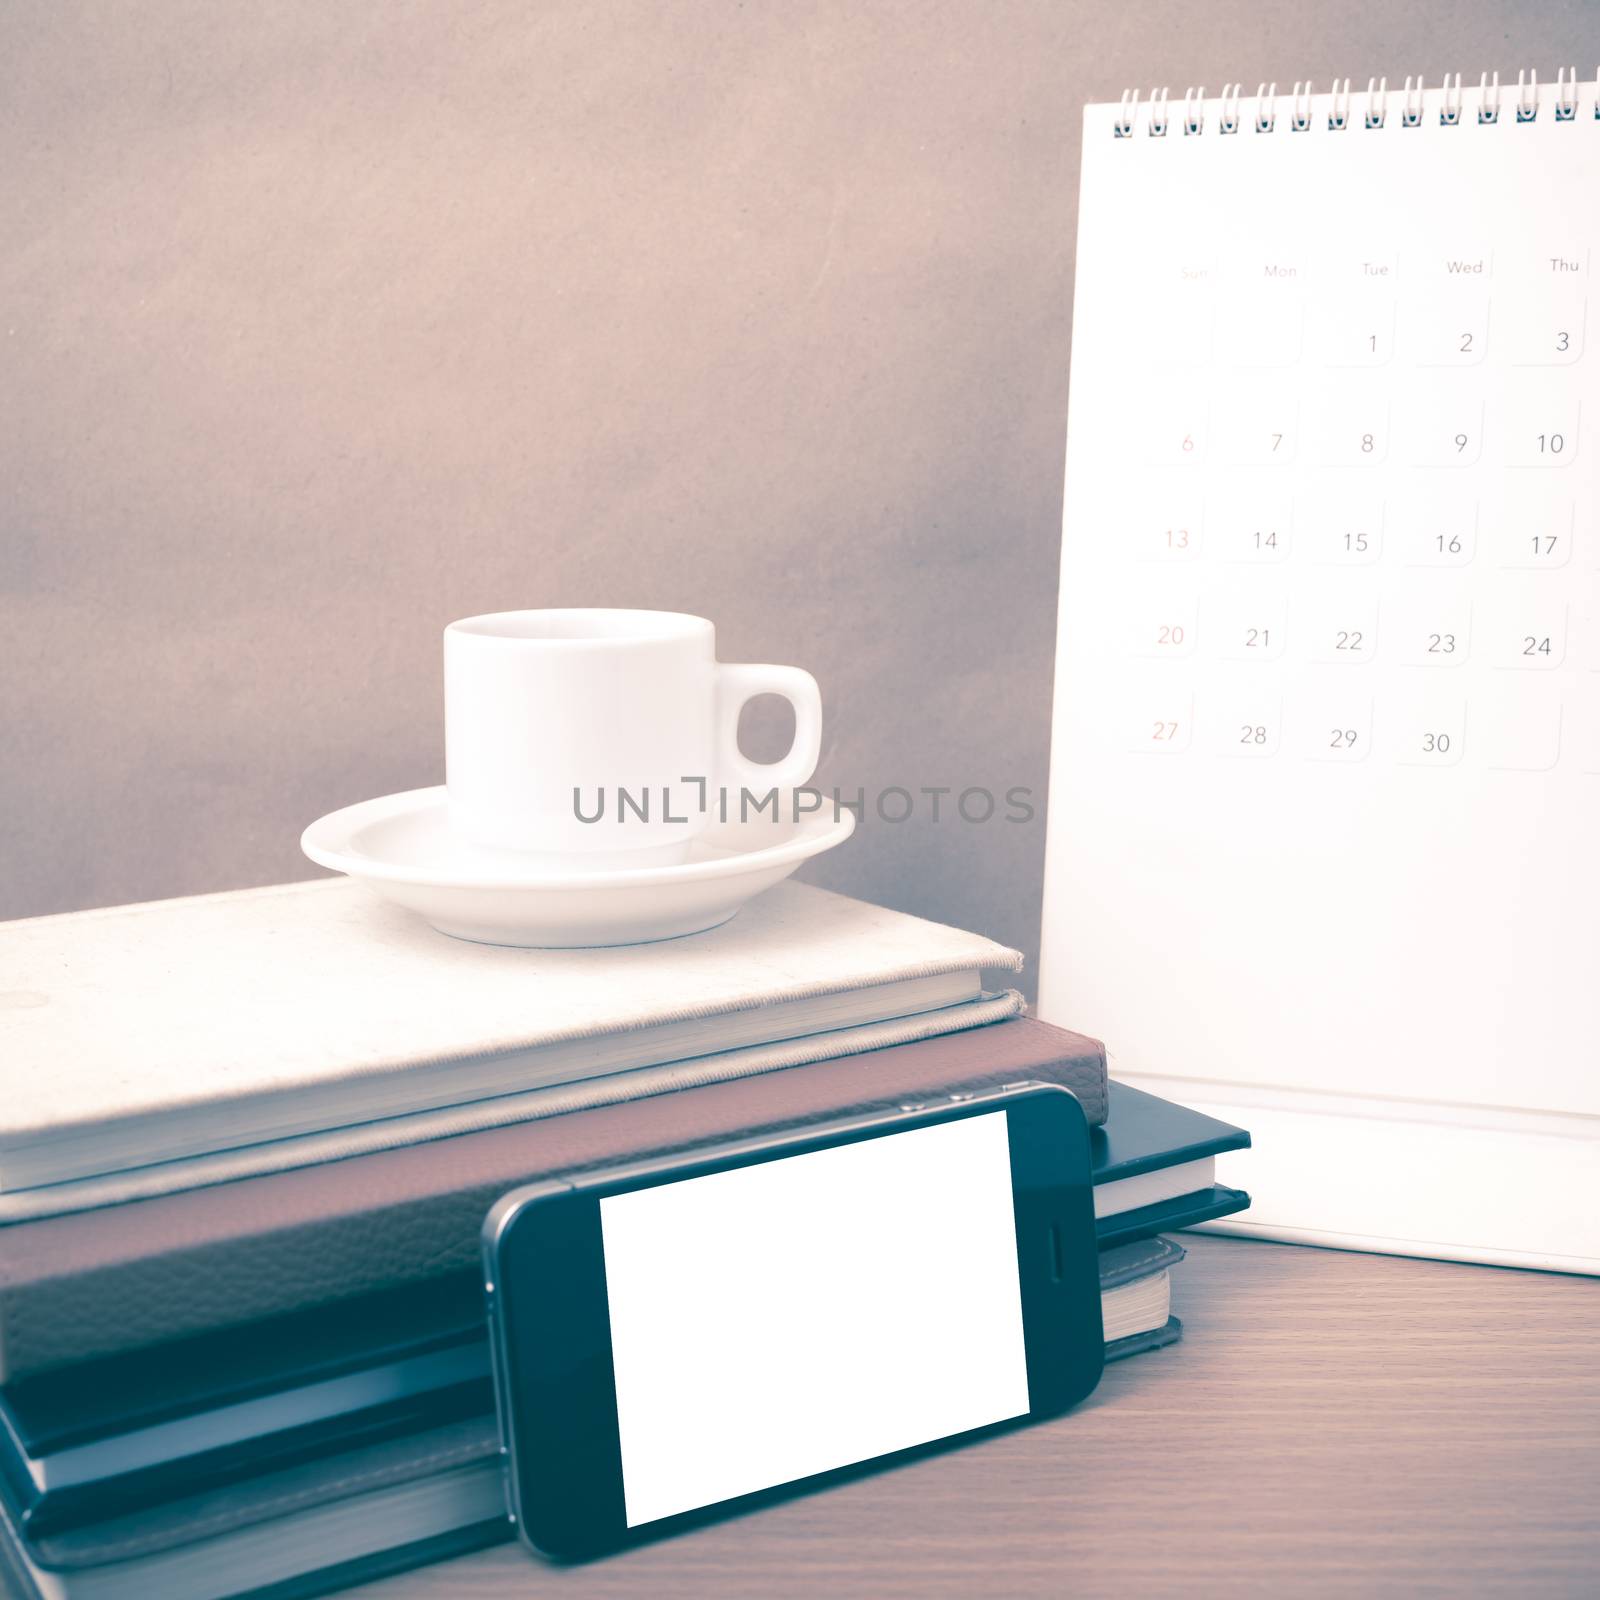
{"points": [[123, 1277]]}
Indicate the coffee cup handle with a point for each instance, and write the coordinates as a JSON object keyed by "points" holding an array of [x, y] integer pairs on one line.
{"points": [[738, 684]]}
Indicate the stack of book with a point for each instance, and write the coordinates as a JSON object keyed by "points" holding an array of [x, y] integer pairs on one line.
{"points": [[248, 1141]]}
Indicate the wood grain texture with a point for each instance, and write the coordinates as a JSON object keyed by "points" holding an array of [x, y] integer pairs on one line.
{"points": [[1332, 1424]]}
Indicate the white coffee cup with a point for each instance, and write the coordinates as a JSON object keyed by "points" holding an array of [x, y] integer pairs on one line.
{"points": [[554, 716]]}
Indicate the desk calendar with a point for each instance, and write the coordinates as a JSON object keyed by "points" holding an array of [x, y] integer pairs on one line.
{"points": [[1324, 851]]}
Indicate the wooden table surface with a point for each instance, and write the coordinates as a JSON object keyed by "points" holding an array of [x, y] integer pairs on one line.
{"points": [[1331, 1424]]}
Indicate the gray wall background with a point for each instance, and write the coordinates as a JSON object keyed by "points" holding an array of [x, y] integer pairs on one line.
{"points": [[322, 324]]}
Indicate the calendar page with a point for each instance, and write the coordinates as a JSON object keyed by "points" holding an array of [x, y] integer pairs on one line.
{"points": [[1325, 791]]}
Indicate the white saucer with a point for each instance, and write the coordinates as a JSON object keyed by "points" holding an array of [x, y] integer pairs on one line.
{"points": [[401, 847]]}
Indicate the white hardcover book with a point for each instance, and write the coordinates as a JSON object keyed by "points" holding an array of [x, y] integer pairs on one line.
{"points": [[310, 1022]]}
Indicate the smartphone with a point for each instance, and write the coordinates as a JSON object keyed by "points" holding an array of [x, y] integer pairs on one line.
{"points": [[687, 1338]]}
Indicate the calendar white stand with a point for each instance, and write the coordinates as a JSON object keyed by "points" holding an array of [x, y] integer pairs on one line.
{"points": [[1324, 852]]}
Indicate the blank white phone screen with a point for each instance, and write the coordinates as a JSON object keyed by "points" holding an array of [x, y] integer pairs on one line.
{"points": [[810, 1312]]}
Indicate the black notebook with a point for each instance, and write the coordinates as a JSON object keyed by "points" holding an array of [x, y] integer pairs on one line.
{"points": [[1154, 1167], [348, 1508], [107, 1437]]}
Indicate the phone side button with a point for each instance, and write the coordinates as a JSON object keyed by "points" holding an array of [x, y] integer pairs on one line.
{"points": [[914, 1106]]}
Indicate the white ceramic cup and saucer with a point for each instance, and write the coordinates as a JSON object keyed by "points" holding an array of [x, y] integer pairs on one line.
{"points": [[595, 790]]}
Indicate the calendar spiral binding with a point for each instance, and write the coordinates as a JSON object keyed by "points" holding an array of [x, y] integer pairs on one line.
{"points": [[1411, 105]]}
